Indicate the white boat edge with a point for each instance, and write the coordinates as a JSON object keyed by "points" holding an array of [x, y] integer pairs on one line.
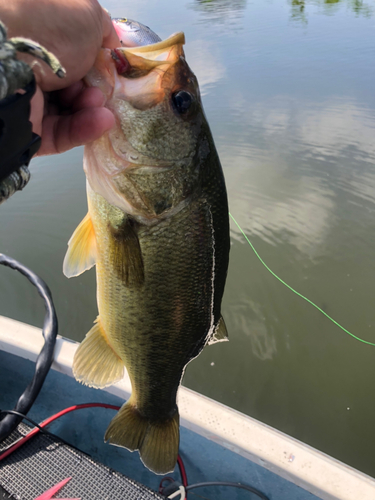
{"points": [[316, 472]]}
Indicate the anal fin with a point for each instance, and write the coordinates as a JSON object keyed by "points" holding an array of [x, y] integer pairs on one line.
{"points": [[95, 362], [81, 253]]}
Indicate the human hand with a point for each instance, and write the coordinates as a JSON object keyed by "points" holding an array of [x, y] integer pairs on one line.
{"points": [[63, 112]]}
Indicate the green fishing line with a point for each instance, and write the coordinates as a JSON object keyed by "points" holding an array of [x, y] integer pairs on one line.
{"points": [[295, 291]]}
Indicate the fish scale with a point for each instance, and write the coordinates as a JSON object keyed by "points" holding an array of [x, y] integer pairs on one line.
{"points": [[135, 315]]}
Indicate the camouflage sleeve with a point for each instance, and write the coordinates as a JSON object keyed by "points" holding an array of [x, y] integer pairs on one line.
{"points": [[17, 141]]}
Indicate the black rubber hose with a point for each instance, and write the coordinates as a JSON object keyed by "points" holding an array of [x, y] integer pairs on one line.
{"points": [[43, 363]]}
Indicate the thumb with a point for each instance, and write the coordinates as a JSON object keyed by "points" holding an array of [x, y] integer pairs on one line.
{"points": [[110, 38]]}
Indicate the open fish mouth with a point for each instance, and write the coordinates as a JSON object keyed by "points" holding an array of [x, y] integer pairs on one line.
{"points": [[149, 72], [141, 75], [147, 57]]}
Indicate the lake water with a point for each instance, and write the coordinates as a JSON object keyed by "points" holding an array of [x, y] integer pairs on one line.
{"points": [[288, 88]]}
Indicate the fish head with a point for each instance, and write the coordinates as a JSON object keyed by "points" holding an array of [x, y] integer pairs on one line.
{"points": [[147, 164]]}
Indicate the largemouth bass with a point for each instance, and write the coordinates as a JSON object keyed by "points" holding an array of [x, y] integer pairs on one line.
{"points": [[157, 230]]}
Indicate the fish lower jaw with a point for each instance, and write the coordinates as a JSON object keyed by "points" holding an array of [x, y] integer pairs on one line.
{"points": [[131, 158], [125, 156]]}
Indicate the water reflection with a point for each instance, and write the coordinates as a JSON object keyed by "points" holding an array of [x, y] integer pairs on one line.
{"points": [[204, 59], [288, 181], [249, 317], [330, 7], [220, 11]]}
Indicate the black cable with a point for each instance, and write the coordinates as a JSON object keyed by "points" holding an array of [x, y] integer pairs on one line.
{"points": [[24, 417], [43, 430], [224, 483], [43, 363], [35, 424]]}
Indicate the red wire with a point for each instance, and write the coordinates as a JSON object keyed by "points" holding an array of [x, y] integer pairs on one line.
{"points": [[182, 471], [51, 419], [181, 466], [32, 433]]}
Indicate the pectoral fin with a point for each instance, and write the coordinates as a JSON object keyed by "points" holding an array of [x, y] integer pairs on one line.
{"points": [[127, 253], [220, 334], [81, 254]]}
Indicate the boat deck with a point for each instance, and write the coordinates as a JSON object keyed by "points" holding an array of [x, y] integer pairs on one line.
{"points": [[204, 459], [46, 460]]}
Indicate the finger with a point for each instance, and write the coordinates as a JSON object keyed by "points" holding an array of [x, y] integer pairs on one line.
{"points": [[61, 133], [89, 98], [36, 110], [74, 99], [110, 38], [67, 96]]}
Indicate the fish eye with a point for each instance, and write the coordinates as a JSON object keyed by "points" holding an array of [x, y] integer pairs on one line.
{"points": [[182, 101]]}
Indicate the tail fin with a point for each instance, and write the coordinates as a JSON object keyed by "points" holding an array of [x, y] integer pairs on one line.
{"points": [[157, 442]]}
